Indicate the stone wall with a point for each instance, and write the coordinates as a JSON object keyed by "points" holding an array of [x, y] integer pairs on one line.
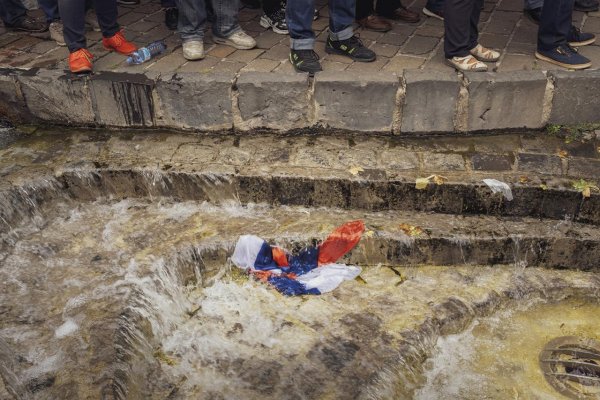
{"points": [[418, 102]]}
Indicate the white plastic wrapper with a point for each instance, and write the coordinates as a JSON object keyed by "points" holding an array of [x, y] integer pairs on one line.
{"points": [[499, 186]]}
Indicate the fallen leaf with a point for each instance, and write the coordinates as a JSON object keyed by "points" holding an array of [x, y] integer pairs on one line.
{"points": [[543, 186], [411, 230], [563, 154], [421, 183], [369, 234], [356, 170], [587, 192], [360, 280], [524, 179], [585, 187]]}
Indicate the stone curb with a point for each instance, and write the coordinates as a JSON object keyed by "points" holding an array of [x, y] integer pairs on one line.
{"points": [[418, 102]]}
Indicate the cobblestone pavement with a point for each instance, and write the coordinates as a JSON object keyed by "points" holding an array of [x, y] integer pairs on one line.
{"points": [[406, 46]]}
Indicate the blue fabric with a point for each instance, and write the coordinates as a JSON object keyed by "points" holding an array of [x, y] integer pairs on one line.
{"points": [[555, 24], [305, 261], [290, 287], [12, 11], [264, 259]]}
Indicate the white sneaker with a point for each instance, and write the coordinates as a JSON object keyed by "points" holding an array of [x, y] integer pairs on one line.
{"points": [[240, 40], [91, 19], [56, 33], [193, 50]]}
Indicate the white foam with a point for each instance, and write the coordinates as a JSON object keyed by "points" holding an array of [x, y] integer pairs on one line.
{"points": [[66, 329]]}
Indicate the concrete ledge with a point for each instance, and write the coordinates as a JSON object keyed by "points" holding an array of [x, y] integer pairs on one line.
{"points": [[355, 102], [122, 99], [418, 102], [576, 97], [505, 100], [195, 101], [274, 101], [429, 101], [54, 97]]}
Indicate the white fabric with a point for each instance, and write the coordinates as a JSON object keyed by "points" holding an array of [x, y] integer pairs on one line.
{"points": [[499, 186], [328, 277], [246, 250]]}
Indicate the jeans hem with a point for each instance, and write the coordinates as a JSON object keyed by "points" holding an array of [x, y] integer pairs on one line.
{"points": [[302, 44], [344, 34]]}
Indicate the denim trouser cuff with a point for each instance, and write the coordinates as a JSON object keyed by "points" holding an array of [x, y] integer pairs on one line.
{"points": [[226, 34], [302, 44], [189, 37], [344, 34]]}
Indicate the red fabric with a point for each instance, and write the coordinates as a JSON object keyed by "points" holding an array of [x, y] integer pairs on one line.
{"points": [[340, 241], [280, 257]]}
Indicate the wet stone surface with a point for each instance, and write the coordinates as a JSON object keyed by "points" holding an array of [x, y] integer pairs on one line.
{"points": [[114, 278]]}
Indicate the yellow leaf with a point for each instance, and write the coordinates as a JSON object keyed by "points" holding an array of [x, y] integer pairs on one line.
{"points": [[360, 280], [411, 230], [421, 183], [356, 170], [543, 186], [438, 179], [523, 179], [563, 154], [586, 192], [369, 234]]}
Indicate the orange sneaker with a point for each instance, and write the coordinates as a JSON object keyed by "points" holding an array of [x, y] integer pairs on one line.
{"points": [[119, 44], [80, 61]]}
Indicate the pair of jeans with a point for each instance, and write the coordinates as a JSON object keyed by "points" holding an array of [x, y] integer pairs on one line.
{"points": [[168, 4], [72, 13], [533, 4], [192, 18], [555, 24], [50, 8], [299, 17], [364, 8], [12, 11], [460, 25], [436, 5]]}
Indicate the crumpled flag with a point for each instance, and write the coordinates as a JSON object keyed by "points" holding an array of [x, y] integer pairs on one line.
{"points": [[311, 271]]}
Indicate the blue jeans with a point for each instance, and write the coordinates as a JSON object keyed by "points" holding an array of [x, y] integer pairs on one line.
{"points": [[436, 5], [12, 11], [50, 8], [299, 17], [192, 18], [555, 24], [533, 4]]}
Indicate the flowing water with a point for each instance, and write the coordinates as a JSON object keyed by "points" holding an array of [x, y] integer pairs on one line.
{"points": [[111, 289]]}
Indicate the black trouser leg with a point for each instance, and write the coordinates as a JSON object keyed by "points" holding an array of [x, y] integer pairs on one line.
{"points": [[555, 23], [387, 7], [460, 21], [72, 13], [271, 6], [364, 8]]}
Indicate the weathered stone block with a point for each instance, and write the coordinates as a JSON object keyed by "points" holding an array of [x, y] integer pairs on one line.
{"points": [[584, 168], [195, 101], [430, 101], [539, 163], [576, 97], [53, 96], [12, 103], [505, 100], [123, 99], [491, 162], [354, 101], [273, 100]]}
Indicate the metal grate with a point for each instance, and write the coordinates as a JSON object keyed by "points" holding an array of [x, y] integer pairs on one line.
{"points": [[571, 365]]}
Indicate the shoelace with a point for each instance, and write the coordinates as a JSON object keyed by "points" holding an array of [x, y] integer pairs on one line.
{"points": [[566, 49], [354, 41]]}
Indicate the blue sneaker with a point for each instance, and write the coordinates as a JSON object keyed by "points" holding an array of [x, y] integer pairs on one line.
{"points": [[577, 38], [564, 56]]}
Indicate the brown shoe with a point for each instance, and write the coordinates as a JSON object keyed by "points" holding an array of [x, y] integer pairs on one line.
{"points": [[375, 23], [404, 14]]}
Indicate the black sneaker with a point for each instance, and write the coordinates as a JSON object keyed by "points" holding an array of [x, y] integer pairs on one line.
{"points": [[577, 38], [29, 24], [171, 18], [275, 21], [352, 48], [586, 5], [564, 56], [534, 15], [305, 61]]}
